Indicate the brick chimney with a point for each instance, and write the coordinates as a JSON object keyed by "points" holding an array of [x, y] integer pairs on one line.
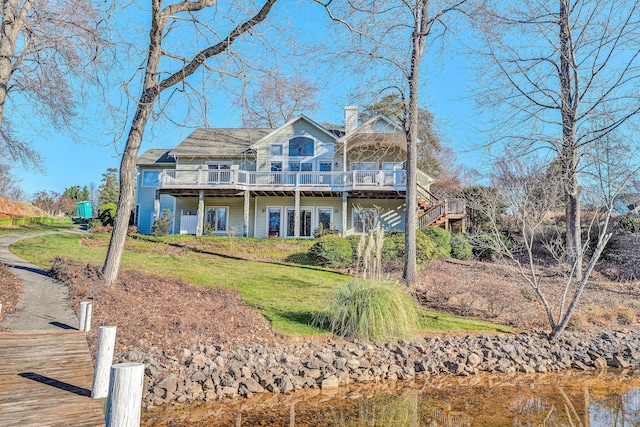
{"points": [[350, 118]]}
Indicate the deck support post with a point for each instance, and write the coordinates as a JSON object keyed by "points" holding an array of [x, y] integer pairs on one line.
{"points": [[200, 225], [86, 310], [344, 213], [104, 360], [296, 214], [125, 395], [245, 221], [156, 207]]}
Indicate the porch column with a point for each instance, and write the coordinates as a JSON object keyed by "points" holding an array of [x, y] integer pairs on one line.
{"points": [[344, 213], [296, 214], [245, 224], [156, 206], [200, 213]]}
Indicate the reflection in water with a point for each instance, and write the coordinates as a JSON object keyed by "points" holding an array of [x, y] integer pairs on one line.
{"points": [[610, 399]]}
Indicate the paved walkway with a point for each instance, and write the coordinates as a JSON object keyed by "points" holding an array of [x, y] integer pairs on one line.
{"points": [[45, 366], [43, 305]]}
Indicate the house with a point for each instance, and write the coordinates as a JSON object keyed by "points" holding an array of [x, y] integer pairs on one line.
{"points": [[284, 182]]}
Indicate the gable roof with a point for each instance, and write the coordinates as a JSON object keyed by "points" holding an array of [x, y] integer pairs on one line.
{"points": [[156, 157], [290, 123], [365, 135], [227, 142]]}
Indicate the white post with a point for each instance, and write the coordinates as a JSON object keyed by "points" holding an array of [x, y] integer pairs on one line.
{"points": [[125, 395], [104, 359], [0, 309], [87, 319], [83, 315]]}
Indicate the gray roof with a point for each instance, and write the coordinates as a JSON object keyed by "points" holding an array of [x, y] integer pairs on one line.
{"points": [[219, 142], [156, 157]]}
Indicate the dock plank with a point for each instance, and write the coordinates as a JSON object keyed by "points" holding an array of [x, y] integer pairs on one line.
{"points": [[45, 380]]}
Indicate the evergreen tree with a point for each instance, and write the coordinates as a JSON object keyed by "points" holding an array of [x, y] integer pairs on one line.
{"points": [[109, 187], [83, 195]]}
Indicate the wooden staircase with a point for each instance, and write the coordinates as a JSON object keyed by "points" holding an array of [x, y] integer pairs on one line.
{"points": [[437, 212]]}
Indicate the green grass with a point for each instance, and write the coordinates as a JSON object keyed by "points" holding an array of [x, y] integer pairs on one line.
{"points": [[286, 294], [35, 228]]}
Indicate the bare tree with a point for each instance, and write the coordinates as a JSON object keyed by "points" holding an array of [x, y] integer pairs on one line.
{"points": [[561, 75], [9, 184], [389, 40], [47, 52], [278, 99], [164, 19], [531, 191]]}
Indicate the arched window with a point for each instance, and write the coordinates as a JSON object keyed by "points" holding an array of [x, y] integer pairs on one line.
{"points": [[300, 146]]}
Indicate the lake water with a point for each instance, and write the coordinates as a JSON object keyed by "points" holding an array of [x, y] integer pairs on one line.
{"points": [[607, 399]]}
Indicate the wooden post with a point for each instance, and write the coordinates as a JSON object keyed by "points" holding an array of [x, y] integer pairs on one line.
{"points": [[200, 226], [245, 218], [344, 213], [296, 212], [104, 359], [156, 206], [86, 310], [87, 320], [125, 395]]}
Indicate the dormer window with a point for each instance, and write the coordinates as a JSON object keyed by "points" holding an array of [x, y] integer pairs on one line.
{"points": [[301, 146]]}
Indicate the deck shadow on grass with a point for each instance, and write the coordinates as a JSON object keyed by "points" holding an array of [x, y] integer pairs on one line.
{"points": [[80, 391], [226, 256]]}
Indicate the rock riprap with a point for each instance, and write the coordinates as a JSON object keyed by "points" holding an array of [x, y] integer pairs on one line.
{"points": [[204, 373]]}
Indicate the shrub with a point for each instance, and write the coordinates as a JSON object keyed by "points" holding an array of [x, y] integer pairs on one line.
{"points": [[321, 230], [484, 245], [442, 239], [630, 223], [162, 226], [370, 310], [393, 249], [332, 251], [106, 214], [460, 247]]}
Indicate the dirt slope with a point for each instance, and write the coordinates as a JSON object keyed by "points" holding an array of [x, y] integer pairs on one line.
{"points": [[11, 208]]}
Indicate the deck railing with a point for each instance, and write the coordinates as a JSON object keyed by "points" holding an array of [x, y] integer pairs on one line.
{"points": [[178, 178]]}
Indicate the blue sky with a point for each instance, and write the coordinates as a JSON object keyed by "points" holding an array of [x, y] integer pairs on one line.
{"points": [[68, 162]]}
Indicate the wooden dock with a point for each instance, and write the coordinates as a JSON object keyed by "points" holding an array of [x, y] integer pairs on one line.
{"points": [[45, 380]]}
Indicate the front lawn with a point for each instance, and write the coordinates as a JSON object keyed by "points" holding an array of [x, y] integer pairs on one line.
{"points": [[285, 292]]}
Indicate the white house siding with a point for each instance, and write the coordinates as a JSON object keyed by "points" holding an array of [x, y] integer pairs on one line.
{"points": [[391, 212], [325, 146], [189, 205], [263, 204]]}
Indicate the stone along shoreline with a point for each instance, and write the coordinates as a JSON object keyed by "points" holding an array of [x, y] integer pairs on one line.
{"points": [[216, 372]]}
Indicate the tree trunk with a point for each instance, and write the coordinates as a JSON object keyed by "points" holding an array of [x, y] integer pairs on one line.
{"points": [[569, 152], [151, 89], [418, 37], [127, 193], [13, 17]]}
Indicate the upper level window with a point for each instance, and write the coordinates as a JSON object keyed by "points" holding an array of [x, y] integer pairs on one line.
{"points": [[150, 178], [275, 150], [300, 146]]}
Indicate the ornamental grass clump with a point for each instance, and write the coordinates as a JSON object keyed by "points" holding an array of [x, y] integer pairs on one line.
{"points": [[371, 310]]}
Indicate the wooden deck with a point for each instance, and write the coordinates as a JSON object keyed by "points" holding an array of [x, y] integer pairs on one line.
{"points": [[45, 380]]}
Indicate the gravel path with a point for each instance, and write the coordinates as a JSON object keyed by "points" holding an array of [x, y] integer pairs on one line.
{"points": [[43, 305]]}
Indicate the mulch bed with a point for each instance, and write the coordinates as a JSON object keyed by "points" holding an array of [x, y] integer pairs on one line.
{"points": [[10, 290], [494, 292], [155, 311]]}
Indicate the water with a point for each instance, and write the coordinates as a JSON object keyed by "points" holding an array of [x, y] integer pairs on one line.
{"points": [[607, 399]]}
